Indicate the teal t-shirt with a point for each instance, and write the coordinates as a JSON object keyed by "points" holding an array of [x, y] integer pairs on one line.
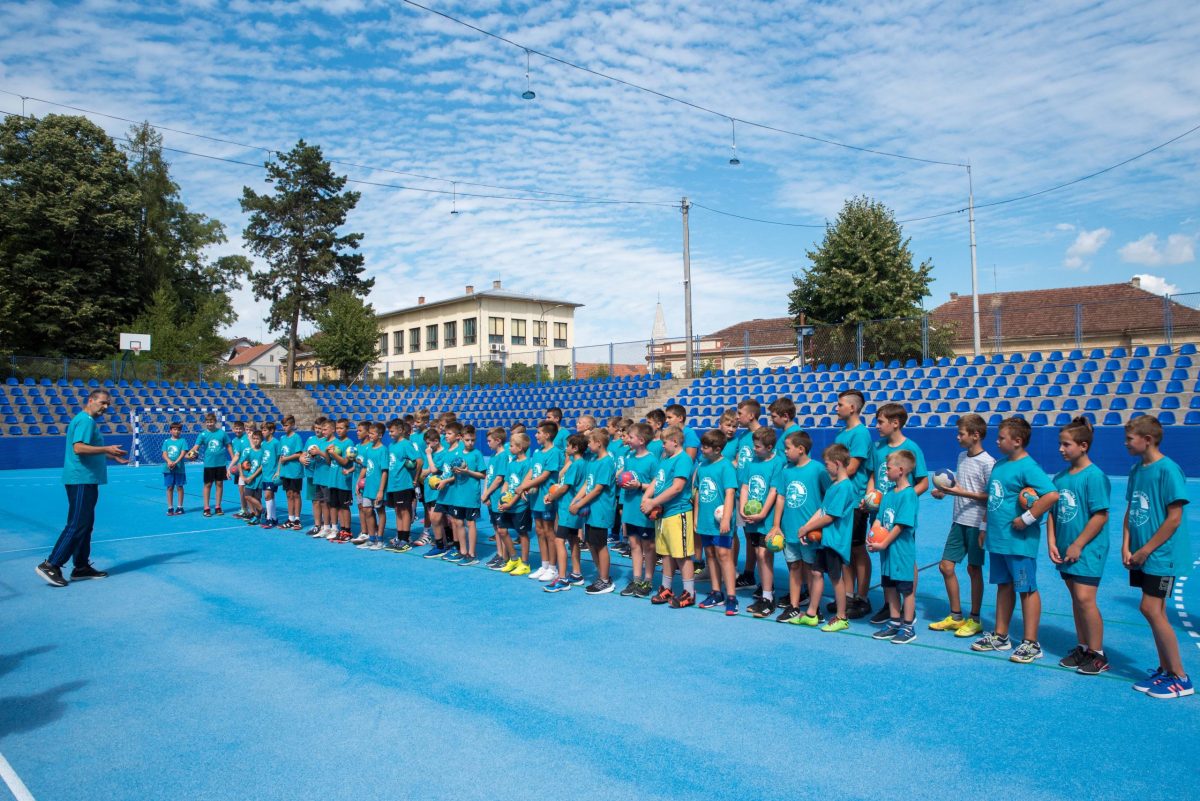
{"points": [[270, 460], [899, 508], [618, 450], [255, 457], [172, 449], [745, 448], [374, 465], [839, 502], [436, 467], [1008, 479], [560, 439], [469, 490], [240, 445], [497, 467], [320, 461], [573, 476], [310, 469], [858, 441], [782, 440], [878, 463], [1152, 488], [448, 493], [402, 458], [643, 467], [545, 461], [713, 479], [213, 447], [677, 466], [514, 473], [603, 508], [338, 477], [290, 444], [1080, 496], [758, 477], [655, 447], [730, 451], [800, 489], [691, 439]]}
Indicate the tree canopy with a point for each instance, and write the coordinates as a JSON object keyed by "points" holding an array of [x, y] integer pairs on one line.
{"points": [[349, 335]]}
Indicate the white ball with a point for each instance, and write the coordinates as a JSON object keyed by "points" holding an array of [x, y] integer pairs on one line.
{"points": [[944, 479], [719, 513]]}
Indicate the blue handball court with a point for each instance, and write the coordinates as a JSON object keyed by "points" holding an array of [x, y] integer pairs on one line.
{"points": [[220, 661]]}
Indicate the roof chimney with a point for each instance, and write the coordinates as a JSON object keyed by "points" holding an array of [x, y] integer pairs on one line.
{"points": [[470, 289], [496, 284], [1136, 281], [421, 300], [953, 296]]}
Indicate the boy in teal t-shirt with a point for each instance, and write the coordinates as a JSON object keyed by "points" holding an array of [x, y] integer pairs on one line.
{"points": [[174, 452], [831, 527], [895, 541], [372, 459], [515, 514], [342, 466], [270, 481], [714, 510], [402, 460], [1156, 549], [799, 488], [639, 529], [240, 442], [291, 471], [215, 447], [782, 412], [319, 462], [545, 463], [1013, 538], [670, 498], [856, 437], [599, 496], [566, 534], [252, 462], [756, 500], [493, 480]]}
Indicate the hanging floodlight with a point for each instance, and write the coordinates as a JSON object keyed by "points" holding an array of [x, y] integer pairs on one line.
{"points": [[528, 94], [454, 199], [733, 160]]}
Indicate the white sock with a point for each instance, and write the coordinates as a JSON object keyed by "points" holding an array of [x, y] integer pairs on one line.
{"points": [[271, 509]]}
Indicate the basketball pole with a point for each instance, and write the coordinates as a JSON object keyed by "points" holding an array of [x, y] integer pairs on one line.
{"points": [[974, 271]]}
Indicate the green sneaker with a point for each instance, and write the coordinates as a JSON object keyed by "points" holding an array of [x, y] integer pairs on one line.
{"points": [[806, 620], [836, 624]]}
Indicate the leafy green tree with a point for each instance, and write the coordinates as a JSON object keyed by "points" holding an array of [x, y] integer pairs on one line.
{"points": [[349, 338], [183, 339], [68, 224], [863, 273], [295, 231]]}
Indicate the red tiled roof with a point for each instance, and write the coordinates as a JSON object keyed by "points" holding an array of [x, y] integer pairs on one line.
{"points": [[248, 355], [763, 333], [587, 369]]}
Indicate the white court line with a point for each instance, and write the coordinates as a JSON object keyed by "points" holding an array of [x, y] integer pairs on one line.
{"points": [[140, 537], [15, 785]]}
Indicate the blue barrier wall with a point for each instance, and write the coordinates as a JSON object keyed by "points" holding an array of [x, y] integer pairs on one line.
{"points": [[1181, 443]]}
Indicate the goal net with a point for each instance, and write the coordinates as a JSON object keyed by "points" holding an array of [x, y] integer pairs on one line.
{"points": [[151, 427]]}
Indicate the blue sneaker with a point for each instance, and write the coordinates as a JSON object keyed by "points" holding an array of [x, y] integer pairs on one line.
{"points": [[904, 636], [453, 556], [1151, 679], [436, 552], [575, 580], [558, 585], [731, 607], [1171, 686], [712, 600], [887, 632], [468, 561]]}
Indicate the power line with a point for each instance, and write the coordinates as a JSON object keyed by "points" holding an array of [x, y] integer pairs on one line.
{"points": [[674, 99]]}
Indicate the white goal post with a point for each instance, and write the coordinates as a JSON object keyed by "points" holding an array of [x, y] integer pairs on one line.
{"points": [[151, 428]]}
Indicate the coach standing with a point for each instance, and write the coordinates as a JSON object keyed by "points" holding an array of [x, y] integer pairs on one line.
{"points": [[84, 470]]}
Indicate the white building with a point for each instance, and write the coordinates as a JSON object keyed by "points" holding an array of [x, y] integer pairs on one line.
{"points": [[257, 364], [474, 329]]}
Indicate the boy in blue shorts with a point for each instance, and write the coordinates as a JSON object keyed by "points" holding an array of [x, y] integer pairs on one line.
{"points": [[800, 486], [270, 481], [252, 474], [599, 497], [857, 440], [493, 480], [1013, 538], [215, 447], [174, 451], [782, 412], [291, 471], [402, 459], [566, 535], [639, 529], [756, 485], [372, 459], [897, 548], [1156, 549], [713, 510], [835, 520], [544, 466], [670, 498]]}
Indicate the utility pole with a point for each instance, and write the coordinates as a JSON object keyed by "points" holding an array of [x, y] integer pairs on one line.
{"points": [[974, 273], [687, 290]]}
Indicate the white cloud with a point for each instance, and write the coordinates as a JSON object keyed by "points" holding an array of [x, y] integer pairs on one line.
{"points": [[1064, 227], [1157, 284], [1180, 249], [1086, 245]]}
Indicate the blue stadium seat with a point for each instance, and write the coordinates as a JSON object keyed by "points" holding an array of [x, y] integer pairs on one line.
{"points": [[1119, 403], [1192, 419], [1118, 353], [1166, 418], [1142, 404], [995, 420], [933, 421], [1112, 419], [1004, 406], [1187, 349], [1141, 350], [1170, 402], [1070, 405], [1194, 403], [915, 421], [1055, 356], [1061, 419], [983, 406], [1039, 419], [1075, 355], [1024, 406], [1097, 353]]}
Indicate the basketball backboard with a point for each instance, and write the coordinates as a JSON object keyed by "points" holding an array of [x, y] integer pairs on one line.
{"points": [[137, 343]]}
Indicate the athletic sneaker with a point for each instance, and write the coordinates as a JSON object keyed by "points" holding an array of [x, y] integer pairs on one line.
{"points": [[701, 573], [1152, 677], [789, 615], [208, 512], [551, 574], [404, 547], [970, 627], [643, 590], [436, 552], [807, 620], [170, 511], [745, 580], [712, 600], [761, 608], [342, 537], [857, 608], [886, 633], [360, 539], [683, 599], [265, 524], [600, 587], [904, 636], [558, 585], [1171, 686], [948, 623], [630, 589], [510, 565], [362, 546], [252, 520], [992, 642], [219, 511], [1026, 652], [663, 595], [522, 569], [331, 533], [469, 561], [576, 579], [537, 574], [624, 549], [1097, 663], [731, 606], [882, 616], [453, 556], [52, 575], [836, 624], [422, 541], [377, 545], [1078, 656], [495, 563], [314, 531]]}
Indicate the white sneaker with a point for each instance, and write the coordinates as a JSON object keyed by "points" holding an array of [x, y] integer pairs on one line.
{"points": [[537, 574], [375, 546], [362, 546], [331, 533], [360, 539], [551, 574]]}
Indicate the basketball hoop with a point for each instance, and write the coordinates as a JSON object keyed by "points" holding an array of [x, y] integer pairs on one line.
{"points": [[136, 348]]}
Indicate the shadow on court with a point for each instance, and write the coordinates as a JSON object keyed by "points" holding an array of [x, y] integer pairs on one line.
{"points": [[10, 662], [146, 561], [24, 713]]}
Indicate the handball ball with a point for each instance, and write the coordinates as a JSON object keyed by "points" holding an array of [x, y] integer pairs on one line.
{"points": [[873, 499], [1027, 497], [752, 507], [774, 543], [945, 479]]}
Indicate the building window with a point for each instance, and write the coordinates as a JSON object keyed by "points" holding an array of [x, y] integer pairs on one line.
{"points": [[431, 337], [496, 330], [383, 345], [470, 335], [539, 332], [560, 335], [450, 369], [397, 342], [518, 332], [450, 334], [414, 340]]}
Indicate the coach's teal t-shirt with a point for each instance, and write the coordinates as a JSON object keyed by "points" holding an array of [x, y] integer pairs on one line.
{"points": [[213, 447], [1008, 479], [1152, 488], [88, 469]]}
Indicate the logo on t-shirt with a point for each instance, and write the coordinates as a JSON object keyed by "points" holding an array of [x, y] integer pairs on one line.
{"points": [[708, 490], [1067, 508], [995, 495], [213, 445], [660, 481], [758, 488], [888, 518], [590, 483], [882, 483], [1139, 508], [797, 494]]}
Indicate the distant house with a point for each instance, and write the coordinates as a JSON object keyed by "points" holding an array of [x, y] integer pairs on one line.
{"points": [[257, 364], [769, 342], [1100, 316]]}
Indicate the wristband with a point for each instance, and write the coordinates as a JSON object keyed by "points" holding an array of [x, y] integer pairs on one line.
{"points": [[983, 526], [1028, 518]]}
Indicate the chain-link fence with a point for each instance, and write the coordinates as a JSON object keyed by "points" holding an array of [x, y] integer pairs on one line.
{"points": [[125, 368]]}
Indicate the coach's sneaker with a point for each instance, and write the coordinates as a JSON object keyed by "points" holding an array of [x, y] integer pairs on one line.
{"points": [[53, 575], [948, 623], [1026, 652], [1077, 656], [1171, 686], [992, 642], [905, 635], [81, 573], [970, 628], [1097, 663], [522, 569], [836, 624], [712, 600], [1151, 679]]}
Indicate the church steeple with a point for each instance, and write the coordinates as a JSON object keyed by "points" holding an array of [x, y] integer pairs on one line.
{"points": [[659, 332]]}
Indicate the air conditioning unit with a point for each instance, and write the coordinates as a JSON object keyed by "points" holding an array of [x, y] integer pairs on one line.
{"points": [[498, 348]]}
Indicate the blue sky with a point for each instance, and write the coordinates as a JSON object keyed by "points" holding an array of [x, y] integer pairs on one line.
{"points": [[1033, 94]]}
